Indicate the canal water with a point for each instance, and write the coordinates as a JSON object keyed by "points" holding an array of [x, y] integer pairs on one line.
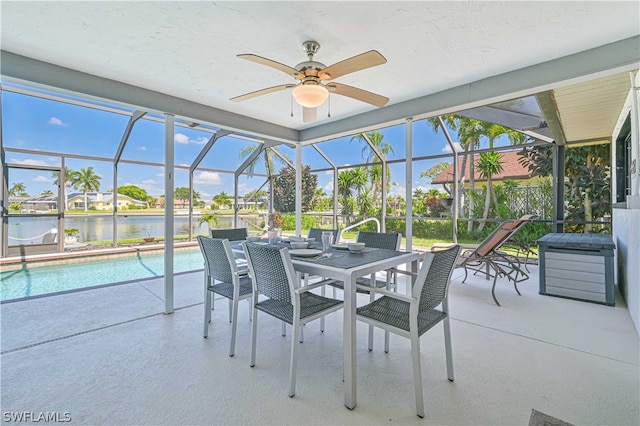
{"points": [[29, 230]]}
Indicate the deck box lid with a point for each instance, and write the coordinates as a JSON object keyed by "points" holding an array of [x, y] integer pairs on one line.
{"points": [[577, 241]]}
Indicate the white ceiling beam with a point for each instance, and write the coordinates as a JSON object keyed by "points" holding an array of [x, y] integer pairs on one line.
{"points": [[623, 55]]}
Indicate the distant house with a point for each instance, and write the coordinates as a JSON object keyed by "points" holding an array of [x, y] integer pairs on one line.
{"points": [[512, 170], [38, 204], [101, 201], [177, 204]]}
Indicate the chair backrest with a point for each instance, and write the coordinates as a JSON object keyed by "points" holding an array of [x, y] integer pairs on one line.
{"points": [[271, 271], [49, 238], [231, 234], [383, 240], [501, 235], [218, 258], [317, 234], [432, 283]]}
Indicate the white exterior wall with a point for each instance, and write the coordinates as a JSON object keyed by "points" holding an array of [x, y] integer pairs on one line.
{"points": [[626, 218]]}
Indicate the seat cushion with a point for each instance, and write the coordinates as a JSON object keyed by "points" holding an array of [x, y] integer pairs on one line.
{"points": [[310, 304], [396, 313], [226, 289]]}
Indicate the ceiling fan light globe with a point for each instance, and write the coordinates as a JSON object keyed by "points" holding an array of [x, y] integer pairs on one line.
{"points": [[310, 95]]}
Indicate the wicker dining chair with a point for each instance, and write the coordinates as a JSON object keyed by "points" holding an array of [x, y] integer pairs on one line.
{"points": [[277, 292], [316, 233], [413, 316], [231, 234], [234, 284], [382, 240]]}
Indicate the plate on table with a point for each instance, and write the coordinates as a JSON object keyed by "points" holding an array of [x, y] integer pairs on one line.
{"points": [[340, 246], [305, 252]]}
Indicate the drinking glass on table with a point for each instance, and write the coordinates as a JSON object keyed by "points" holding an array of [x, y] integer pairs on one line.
{"points": [[327, 237], [273, 237]]}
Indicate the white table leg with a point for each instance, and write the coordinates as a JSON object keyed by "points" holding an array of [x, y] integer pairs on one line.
{"points": [[349, 336]]}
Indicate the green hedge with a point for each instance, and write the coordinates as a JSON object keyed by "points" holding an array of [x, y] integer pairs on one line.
{"points": [[289, 222]]}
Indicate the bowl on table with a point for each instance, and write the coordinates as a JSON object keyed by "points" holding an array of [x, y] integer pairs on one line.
{"points": [[355, 247], [293, 238], [253, 238], [297, 245]]}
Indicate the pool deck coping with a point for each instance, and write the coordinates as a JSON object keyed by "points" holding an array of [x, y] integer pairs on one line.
{"points": [[92, 253]]}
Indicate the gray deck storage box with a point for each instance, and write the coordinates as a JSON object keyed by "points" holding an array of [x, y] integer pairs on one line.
{"points": [[577, 266]]}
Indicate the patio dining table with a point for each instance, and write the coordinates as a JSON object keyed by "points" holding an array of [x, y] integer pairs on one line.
{"points": [[346, 266]]}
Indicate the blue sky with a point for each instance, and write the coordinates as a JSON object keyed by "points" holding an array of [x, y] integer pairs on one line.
{"points": [[43, 125]]}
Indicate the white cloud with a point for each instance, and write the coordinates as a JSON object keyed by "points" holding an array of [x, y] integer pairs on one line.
{"points": [[181, 138], [208, 178], [200, 141], [42, 179], [149, 182], [329, 172], [142, 148], [205, 196], [398, 190], [447, 147], [160, 174], [29, 162], [329, 186], [56, 122], [243, 188]]}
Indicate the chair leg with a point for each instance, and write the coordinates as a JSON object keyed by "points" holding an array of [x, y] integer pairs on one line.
{"points": [[493, 289], [322, 319], [234, 326], [301, 334], [372, 297], [254, 332], [447, 348], [207, 312], [230, 309], [296, 328], [386, 342], [284, 329], [417, 374]]}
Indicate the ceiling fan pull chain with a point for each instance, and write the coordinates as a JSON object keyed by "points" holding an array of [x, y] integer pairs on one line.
{"points": [[291, 106], [329, 105]]}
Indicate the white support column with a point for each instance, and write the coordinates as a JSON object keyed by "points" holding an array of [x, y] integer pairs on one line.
{"points": [[634, 199], [409, 184], [299, 189], [168, 212]]}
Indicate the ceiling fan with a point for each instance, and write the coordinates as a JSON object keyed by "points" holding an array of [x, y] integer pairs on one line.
{"points": [[315, 79]]}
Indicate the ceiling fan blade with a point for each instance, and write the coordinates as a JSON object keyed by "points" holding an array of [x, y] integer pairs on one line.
{"points": [[356, 63], [359, 94], [261, 92], [309, 114], [273, 64]]}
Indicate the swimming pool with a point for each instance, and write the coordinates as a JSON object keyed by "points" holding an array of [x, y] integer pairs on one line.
{"points": [[35, 281]]}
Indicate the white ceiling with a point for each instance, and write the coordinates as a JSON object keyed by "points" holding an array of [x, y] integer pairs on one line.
{"points": [[188, 49]]}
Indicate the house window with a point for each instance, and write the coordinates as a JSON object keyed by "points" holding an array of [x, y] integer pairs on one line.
{"points": [[623, 162]]}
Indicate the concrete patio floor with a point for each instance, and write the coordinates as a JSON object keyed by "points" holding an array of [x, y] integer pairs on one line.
{"points": [[110, 356]]}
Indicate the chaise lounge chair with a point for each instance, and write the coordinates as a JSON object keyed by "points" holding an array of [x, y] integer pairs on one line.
{"points": [[487, 258]]}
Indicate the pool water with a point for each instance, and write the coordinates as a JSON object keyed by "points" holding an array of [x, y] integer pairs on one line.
{"points": [[28, 282]]}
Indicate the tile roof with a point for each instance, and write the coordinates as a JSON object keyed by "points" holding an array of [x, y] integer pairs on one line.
{"points": [[512, 169]]}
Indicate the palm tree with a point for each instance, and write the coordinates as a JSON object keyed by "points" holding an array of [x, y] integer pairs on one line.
{"points": [[17, 189], [490, 163], [469, 133], [68, 178], [209, 219], [47, 192], [269, 157], [345, 185], [86, 180], [377, 140]]}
